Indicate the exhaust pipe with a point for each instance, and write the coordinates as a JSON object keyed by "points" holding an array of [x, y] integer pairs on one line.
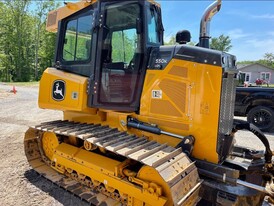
{"points": [[211, 10]]}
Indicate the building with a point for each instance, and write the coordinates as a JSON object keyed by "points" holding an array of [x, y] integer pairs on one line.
{"points": [[250, 73]]}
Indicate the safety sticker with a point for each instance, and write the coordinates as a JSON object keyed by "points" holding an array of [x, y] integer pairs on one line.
{"points": [[157, 94]]}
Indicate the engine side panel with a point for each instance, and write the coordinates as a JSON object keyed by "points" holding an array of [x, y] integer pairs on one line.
{"points": [[184, 98]]}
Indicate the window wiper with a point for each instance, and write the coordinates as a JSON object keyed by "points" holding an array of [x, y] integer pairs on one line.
{"points": [[74, 57], [68, 52]]}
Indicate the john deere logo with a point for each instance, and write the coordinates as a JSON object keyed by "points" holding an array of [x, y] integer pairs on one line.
{"points": [[58, 90]]}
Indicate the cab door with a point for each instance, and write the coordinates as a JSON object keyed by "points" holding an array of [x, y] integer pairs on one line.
{"points": [[117, 82]]}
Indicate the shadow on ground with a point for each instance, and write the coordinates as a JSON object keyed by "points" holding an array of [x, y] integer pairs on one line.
{"points": [[59, 194]]}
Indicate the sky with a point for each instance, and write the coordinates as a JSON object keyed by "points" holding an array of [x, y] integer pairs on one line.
{"points": [[249, 24]]}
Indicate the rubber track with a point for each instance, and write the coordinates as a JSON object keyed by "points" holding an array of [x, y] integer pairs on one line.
{"points": [[172, 164]]}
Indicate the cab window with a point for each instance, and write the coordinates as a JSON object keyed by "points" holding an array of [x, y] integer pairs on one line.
{"points": [[153, 36], [77, 41], [124, 44]]}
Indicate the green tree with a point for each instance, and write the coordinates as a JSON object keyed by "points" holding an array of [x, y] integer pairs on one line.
{"points": [[43, 39], [21, 45], [15, 40], [4, 74], [171, 41], [268, 60], [46, 50], [221, 43], [26, 48]]}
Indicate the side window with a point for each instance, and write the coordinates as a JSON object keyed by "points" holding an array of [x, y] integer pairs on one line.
{"points": [[70, 41], [265, 75], [152, 27], [124, 43], [77, 42]]}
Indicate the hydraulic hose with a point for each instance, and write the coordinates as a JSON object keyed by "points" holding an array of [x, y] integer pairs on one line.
{"points": [[240, 125]]}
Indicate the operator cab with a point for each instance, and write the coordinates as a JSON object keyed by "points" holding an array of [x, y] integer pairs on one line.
{"points": [[109, 42]]}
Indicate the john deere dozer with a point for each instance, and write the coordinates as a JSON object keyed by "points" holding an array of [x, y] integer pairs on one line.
{"points": [[144, 123]]}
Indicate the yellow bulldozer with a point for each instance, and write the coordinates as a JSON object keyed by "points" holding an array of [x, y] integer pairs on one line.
{"points": [[144, 123]]}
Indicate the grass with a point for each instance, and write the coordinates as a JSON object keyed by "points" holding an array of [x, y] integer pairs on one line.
{"points": [[270, 85], [28, 84]]}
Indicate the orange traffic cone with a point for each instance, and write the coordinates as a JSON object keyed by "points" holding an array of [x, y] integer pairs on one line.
{"points": [[14, 90]]}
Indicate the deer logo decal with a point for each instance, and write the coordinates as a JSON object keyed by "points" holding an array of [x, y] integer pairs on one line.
{"points": [[58, 90]]}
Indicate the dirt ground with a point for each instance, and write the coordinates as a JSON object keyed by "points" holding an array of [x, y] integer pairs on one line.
{"points": [[19, 184]]}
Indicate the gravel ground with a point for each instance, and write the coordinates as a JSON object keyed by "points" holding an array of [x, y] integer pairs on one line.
{"points": [[20, 185]]}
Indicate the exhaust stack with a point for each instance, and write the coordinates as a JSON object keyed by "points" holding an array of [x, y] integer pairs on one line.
{"points": [[211, 10]]}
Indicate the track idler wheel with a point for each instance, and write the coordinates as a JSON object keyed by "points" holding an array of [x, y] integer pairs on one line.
{"points": [[49, 143]]}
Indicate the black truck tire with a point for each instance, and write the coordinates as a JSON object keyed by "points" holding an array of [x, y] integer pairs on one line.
{"points": [[262, 117]]}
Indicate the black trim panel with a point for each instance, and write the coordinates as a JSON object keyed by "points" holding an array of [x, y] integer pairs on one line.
{"points": [[199, 55], [161, 56]]}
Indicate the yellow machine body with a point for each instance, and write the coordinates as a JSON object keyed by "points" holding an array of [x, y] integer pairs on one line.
{"points": [[61, 13], [189, 104], [70, 8]]}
